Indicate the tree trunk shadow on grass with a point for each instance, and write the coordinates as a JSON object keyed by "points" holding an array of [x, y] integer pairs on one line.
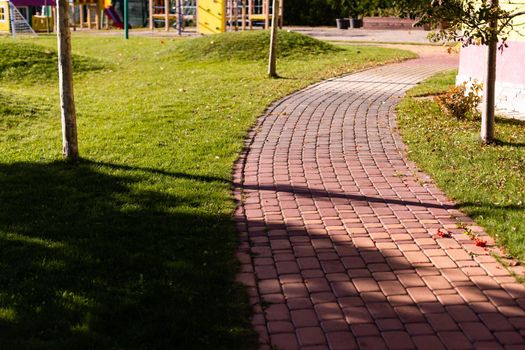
{"points": [[90, 260]]}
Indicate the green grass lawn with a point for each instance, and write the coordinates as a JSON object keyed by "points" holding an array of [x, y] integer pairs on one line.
{"points": [[134, 247], [488, 182]]}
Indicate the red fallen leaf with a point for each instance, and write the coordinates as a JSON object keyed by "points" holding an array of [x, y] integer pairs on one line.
{"points": [[443, 233], [480, 242]]}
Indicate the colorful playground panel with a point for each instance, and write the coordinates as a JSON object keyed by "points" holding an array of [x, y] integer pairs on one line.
{"points": [[4, 16], [211, 15]]}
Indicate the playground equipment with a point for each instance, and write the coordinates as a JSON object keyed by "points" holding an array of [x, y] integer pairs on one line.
{"points": [[111, 13], [213, 16], [16, 16], [94, 14], [86, 14], [30, 16], [171, 13], [217, 16], [210, 16]]}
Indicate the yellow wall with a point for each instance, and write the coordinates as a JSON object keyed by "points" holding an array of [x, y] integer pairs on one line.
{"points": [[4, 16], [211, 16], [515, 5]]}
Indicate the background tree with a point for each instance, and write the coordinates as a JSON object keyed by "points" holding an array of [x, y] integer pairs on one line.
{"points": [[357, 8], [324, 12], [349, 8], [310, 12]]}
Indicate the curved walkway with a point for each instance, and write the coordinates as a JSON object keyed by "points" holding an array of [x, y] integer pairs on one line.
{"points": [[338, 230]]}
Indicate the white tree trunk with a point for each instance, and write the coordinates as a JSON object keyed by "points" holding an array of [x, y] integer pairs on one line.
{"points": [[65, 81]]}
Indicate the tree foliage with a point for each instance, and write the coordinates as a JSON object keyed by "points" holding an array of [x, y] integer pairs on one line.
{"points": [[468, 22], [324, 12], [356, 8]]}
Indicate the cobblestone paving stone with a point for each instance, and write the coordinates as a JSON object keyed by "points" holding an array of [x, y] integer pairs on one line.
{"points": [[338, 245]]}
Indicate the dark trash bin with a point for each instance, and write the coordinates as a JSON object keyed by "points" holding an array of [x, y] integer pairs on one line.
{"points": [[356, 23], [342, 23]]}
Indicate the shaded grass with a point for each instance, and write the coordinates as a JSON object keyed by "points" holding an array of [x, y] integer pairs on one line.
{"points": [[89, 263], [488, 182], [134, 247], [25, 61]]}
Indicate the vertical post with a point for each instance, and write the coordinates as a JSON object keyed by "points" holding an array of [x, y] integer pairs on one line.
{"points": [[12, 19], [105, 20], [272, 73], [266, 10], [65, 81], [230, 15], [180, 18], [150, 2], [54, 14], [126, 20], [46, 16], [73, 13], [243, 15], [81, 14], [97, 17], [88, 7], [235, 5], [167, 15], [281, 15], [489, 95], [250, 13]]}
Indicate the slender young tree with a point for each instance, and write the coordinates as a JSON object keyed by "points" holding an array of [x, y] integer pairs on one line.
{"points": [[65, 81], [488, 119], [272, 70], [471, 22]]}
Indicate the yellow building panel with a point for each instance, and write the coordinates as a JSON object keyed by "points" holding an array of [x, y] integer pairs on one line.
{"points": [[4, 16], [211, 16]]}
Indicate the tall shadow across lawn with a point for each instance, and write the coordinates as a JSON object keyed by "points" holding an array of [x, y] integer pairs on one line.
{"points": [[89, 259]]}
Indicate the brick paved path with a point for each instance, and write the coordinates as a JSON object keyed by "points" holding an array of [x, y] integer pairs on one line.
{"points": [[337, 231]]}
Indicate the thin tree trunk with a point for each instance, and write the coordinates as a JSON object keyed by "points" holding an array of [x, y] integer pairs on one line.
{"points": [[273, 40], [243, 15], [65, 81], [487, 115], [281, 15], [266, 10], [167, 15], [150, 3]]}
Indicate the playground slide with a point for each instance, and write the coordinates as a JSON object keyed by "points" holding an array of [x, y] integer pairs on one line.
{"points": [[113, 15]]}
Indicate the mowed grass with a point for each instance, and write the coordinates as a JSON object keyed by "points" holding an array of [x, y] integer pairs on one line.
{"points": [[134, 248], [487, 182]]}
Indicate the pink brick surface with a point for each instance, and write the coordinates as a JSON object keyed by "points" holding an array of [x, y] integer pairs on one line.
{"points": [[338, 245]]}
